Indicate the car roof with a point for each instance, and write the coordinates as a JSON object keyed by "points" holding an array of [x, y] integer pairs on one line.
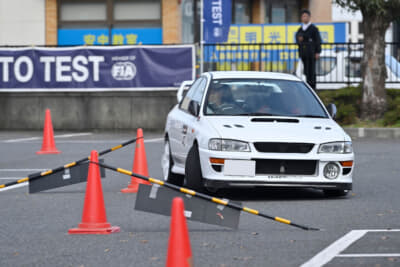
{"points": [[252, 75]]}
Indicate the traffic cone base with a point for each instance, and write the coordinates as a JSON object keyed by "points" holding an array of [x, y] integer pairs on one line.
{"points": [[132, 188], [139, 165], [94, 231], [48, 152], [94, 218]]}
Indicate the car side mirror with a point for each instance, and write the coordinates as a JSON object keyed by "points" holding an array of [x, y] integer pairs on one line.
{"points": [[194, 108], [183, 90], [332, 110]]}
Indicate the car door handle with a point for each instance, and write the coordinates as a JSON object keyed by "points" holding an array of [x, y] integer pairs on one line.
{"points": [[184, 129]]}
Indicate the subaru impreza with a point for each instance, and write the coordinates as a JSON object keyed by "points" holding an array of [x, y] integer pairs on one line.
{"points": [[251, 129]]}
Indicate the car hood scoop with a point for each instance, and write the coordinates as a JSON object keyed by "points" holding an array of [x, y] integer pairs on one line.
{"points": [[275, 120]]}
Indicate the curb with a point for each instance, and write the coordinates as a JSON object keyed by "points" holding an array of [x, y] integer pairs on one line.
{"points": [[379, 133]]}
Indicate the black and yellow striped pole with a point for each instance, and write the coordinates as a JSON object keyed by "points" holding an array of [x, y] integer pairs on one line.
{"points": [[35, 176], [207, 197]]}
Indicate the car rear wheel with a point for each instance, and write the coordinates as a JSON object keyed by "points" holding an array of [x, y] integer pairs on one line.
{"points": [[166, 164], [335, 192], [193, 175]]}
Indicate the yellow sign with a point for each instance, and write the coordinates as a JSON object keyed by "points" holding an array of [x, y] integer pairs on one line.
{"points": [[271, 34]]}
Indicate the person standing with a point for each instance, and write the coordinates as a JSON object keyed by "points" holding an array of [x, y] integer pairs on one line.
{"points": [[309, 42]]}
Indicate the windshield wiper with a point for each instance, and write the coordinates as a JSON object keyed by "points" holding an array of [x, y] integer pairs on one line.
{"points": [[311, 116]]}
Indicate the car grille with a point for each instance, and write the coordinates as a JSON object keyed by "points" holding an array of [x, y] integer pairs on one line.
{"points": [[279, 166], [272, 147]]}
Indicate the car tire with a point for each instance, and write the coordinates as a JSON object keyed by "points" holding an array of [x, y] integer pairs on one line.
{"points": [[193, 175], [335, 192], [166, 165]]}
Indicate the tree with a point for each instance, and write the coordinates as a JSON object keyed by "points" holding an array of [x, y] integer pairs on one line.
{"points": [[377, 16]]}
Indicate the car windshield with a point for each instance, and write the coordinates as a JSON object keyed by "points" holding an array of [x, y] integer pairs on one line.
{"points": [[261, 97]]}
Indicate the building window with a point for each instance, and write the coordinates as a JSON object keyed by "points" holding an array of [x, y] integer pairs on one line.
{"points": [[188, 21], [241, 11], [143, 13], [103, 22], [112, 13], [282, 11], [89, 11]]}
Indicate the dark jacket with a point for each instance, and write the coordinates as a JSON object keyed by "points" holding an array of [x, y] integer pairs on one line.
{"points": [[311, 43]]}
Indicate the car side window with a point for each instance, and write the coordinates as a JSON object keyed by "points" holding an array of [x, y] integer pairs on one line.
{"points": [[195, 93], [199, 91]]}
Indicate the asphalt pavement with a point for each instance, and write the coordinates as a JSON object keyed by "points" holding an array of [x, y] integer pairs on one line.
{"points": [[33, 227]]}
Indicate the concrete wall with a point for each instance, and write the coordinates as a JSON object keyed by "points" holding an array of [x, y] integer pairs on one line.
{"points": [[86, 111], [22, 22]]}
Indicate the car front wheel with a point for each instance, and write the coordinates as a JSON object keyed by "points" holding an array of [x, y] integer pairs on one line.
{"points": [[166, 164], [193, 175]]}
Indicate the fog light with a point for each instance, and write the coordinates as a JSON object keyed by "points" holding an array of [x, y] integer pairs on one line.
{"points": [[331, 171]]}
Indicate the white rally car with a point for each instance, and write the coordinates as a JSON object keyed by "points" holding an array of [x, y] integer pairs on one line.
{"points": [[246, 129]]}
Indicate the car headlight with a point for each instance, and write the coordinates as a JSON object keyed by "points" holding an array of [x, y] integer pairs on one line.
{"points": [[336, 148], [228, 145]]}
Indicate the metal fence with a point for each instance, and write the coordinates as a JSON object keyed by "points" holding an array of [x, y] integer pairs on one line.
{"points": [[339, 64]]}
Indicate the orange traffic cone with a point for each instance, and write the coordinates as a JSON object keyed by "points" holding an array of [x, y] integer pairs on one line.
{"points": [[48, 145], [179, 251], [139, 164], [94, 218]]}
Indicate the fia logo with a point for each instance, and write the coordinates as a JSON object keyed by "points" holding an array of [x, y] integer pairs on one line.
{"points": [[123, 70], [217, 32]]}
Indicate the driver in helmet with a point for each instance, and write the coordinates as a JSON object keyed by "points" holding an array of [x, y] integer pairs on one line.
{"points": [[219, 97]]}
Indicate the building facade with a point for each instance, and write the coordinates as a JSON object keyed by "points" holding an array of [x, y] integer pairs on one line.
{"points": [[104, 22], [22, 22]]}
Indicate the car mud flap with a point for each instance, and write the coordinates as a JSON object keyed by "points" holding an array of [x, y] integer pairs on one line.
{"points": [[158, 199], [69, 176]]}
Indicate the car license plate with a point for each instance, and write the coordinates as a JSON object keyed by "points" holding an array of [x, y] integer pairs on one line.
{"points": [[240, 167]]}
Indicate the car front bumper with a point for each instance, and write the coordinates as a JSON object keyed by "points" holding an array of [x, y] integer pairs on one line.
{"points": [[308, 170]]}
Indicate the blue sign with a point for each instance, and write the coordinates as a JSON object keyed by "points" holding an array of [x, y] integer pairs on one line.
{"points": [[217, 20], [103, 36], [137, 36], [96, 67]]}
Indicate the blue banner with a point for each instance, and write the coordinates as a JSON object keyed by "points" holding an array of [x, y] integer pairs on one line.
{"points": [[217, 20], [96, 67], [102, 36]]}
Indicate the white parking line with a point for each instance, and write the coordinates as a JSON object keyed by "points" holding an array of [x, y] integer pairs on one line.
{"points": [[334, 249], [71, 135], [382, 230], [14, 186], [22, 170], [154, 140], [388, 255], [38, 138], [10, 178], [21, 139], [341, 244]]}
